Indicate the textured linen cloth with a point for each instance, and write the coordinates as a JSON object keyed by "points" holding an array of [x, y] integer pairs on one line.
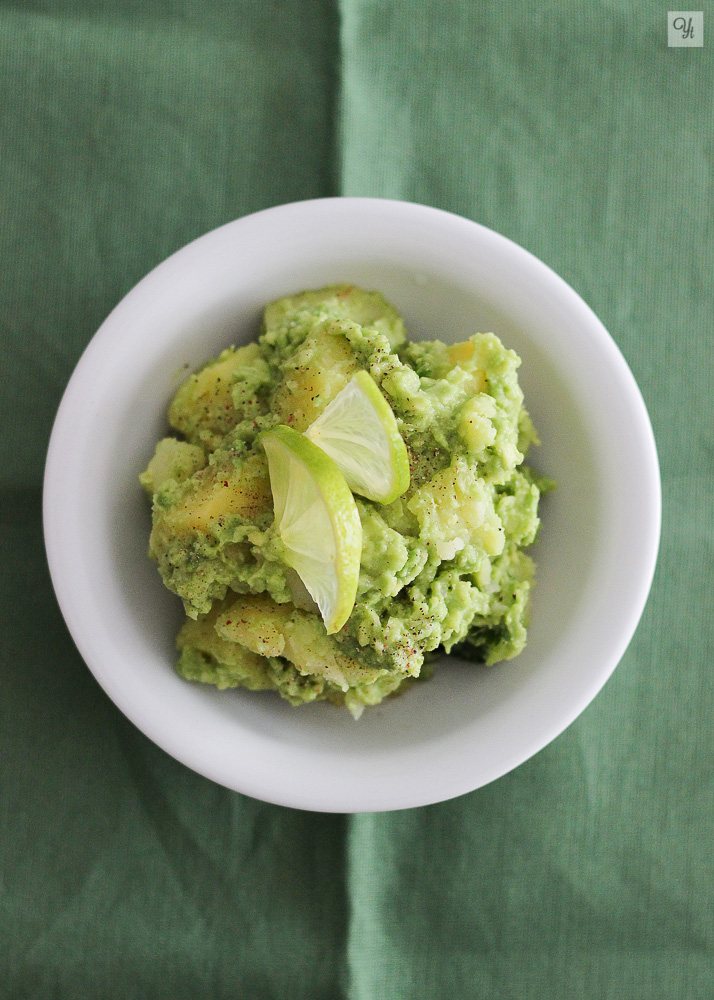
{"points": [[129, 128]]}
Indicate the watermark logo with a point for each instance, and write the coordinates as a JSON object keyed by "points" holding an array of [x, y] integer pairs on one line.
{"points": [[685, 28]]}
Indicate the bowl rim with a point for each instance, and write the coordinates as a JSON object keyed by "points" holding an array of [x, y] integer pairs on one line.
{"points": [[60, 563]]}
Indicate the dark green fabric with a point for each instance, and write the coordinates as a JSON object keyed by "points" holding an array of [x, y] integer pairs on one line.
{"points": [[128, 128]]}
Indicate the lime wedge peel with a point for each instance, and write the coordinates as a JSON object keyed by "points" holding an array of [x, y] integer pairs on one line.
{"points": [[317, 520], [359, 431]]}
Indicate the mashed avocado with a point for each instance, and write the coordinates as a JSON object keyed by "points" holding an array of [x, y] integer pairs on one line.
{"points": [[443, 566]]}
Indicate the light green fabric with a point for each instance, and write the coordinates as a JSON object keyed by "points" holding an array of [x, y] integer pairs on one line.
{"points": [[127, 129]]}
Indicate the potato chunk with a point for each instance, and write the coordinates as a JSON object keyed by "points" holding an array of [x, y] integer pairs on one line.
{"points": [[342, 302], [203, 408], [270, 629], [206, 657], [312, 376], [454, 509], [173, 459], [212, 495]]}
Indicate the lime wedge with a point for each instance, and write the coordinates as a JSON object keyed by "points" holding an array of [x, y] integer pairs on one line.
{"points": [[359, 431], [317, 520]]}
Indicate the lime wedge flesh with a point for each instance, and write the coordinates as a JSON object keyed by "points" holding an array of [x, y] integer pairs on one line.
{"points": [[359, 431], [317, 520]]}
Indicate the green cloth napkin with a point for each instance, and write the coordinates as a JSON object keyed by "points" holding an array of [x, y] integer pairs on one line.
{"points": [[129, 128]]}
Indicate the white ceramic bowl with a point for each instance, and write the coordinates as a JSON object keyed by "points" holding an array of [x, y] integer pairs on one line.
{"points": [[595, 556]]}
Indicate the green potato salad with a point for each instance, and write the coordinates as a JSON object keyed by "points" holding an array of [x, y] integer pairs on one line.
{"points": [[339, 504]]}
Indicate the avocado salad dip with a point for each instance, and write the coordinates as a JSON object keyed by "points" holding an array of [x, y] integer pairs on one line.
{"points": [[440, 567]]}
